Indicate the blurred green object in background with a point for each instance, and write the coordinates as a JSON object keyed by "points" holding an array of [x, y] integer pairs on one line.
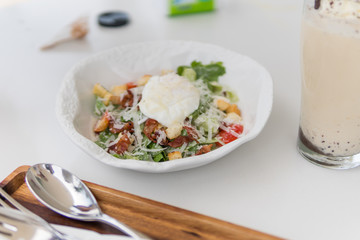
{"points": [[178, 7]]}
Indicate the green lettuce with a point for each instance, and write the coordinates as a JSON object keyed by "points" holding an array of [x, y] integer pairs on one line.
{"points": [[208, 73]]}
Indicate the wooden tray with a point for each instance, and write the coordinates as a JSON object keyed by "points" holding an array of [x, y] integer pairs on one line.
{"points": [[158, 220]]}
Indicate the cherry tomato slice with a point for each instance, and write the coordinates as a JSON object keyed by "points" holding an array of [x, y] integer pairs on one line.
{"points": [[227, 137], [131, 85]]}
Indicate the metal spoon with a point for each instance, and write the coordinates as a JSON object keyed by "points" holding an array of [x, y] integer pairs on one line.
{"points": [[66, 194], [15, 224]]}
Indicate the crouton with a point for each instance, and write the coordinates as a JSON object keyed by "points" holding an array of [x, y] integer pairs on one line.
{"points": [[232, 118], [106, 99], [143, 80], [233, 108], [174, 155], [221, 103], [99, 90], [173, 131], [102, 123], [166, 71], [118, 90]]}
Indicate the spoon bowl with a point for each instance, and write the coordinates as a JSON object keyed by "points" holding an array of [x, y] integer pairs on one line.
{"points": [[66, 194]]}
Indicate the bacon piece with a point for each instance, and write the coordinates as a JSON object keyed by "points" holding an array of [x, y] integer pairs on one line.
{"points": [[125, 100], [128, 99], [179, 141], [153, 131], [128, 126], [150, 126], [115, 99], [204, 149], [122, 145], [158, 133], [191, 133], [139, 97]]}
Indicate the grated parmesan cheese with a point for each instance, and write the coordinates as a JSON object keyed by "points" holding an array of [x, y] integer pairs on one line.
{"points": [[152, 150], [162, 137], [183, 147], [207, 124]]}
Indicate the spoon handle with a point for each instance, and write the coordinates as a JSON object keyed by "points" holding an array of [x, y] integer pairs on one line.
{"points": [[122, 227]]}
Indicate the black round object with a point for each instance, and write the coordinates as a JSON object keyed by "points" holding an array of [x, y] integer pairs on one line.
{"points": [[113, 19]]}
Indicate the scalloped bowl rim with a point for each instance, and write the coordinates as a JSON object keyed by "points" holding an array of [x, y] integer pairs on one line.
{"points": [[66, 116]]}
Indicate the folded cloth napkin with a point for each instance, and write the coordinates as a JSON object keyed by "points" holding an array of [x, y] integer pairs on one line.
{"points": [[84, 234]]}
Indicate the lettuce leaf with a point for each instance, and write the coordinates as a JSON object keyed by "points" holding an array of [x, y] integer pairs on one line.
{"points": [[208, 73]]}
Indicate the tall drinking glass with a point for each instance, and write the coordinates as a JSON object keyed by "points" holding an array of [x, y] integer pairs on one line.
{"points": [[329, 133]]}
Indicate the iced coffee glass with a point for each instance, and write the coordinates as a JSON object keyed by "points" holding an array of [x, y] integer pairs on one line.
{"points": [[329, 133]]}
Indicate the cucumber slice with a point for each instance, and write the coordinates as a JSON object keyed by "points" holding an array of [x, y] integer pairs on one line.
{"points": [[189, 73], [232, 96], [215, 87]]}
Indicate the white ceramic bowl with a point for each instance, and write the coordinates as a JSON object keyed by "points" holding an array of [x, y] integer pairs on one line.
{"points": [[75, 102]]}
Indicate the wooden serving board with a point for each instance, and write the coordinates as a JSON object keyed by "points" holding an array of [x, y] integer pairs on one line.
{"points": [[157, 220]]}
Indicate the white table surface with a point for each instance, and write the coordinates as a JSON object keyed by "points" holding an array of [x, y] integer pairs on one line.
{"points": [[264, 185]]}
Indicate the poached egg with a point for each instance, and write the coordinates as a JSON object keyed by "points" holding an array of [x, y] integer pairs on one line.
{"points": [[169, 99]]}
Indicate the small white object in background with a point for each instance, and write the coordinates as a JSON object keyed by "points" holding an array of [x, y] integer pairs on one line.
{"points": [[78, 29]]}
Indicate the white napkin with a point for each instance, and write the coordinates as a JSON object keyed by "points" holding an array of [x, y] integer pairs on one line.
{"points": [[84, 234]]}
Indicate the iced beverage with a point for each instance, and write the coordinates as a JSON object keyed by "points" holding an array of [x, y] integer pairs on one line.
{"points": [[329, 132]]}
